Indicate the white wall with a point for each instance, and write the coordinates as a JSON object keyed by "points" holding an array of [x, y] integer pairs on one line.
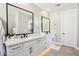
{"points": [[38, 12], [3, 13], [78, 28], [55, 19], [56, 25]]}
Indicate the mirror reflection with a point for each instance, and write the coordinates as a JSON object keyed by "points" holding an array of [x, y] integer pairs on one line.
{"points": [[20, 21], [45, 24]]}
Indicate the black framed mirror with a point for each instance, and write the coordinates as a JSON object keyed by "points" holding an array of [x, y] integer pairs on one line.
{"points": [[19, 20], [45, 24]]}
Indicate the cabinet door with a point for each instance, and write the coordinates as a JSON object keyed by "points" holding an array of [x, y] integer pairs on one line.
{"points": [[34, 50], [23, 52], [14, 48], [42, 44], [50, 39]]}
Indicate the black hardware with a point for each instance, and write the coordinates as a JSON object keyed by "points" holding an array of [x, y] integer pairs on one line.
{"points": [[30, 50], [63, 33]]}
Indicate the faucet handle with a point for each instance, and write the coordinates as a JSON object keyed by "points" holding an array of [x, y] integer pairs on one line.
{"points": [[26, 35]]}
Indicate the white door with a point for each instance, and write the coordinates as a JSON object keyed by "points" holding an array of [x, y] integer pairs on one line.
{"points": [[68, 27]]}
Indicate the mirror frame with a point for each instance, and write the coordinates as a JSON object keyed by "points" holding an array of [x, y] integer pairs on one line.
{"points": [[42, 24], [7, 34]]}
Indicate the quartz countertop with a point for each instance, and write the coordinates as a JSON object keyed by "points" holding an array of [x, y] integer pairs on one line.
{"points": [[14, 41]]}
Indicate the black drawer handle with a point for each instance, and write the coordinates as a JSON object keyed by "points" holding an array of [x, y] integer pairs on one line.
{"points": [[30, 50], [15, 48]]}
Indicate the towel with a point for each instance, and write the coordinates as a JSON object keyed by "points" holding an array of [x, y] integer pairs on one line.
{"points": [[1, 49], [2, 40]]}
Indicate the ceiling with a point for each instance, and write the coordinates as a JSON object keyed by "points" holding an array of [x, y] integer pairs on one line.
{"points": [[52, 6]]}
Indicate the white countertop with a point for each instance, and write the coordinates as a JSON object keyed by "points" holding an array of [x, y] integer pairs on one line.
{"points": [[14, 41]]}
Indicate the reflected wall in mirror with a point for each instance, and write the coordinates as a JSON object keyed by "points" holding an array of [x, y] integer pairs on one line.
{"points": [[45, 24], [19, 21]]}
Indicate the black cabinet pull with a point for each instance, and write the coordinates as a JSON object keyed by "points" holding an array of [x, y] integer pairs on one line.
{"points": [[15, 48], [30, 50], [63, 33]]}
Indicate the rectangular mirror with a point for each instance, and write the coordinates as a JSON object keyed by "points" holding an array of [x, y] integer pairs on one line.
{"points": [[45, 24], [19, 21]]}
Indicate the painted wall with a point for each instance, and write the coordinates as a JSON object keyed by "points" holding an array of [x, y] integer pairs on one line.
{"points": [[78, 28], [56, 25], [38, 12], [3, 14], [55, 17]]}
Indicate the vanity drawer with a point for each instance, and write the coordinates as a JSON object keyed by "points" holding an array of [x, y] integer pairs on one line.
{"points": [[14, 48], [27, 44], [41, 39]]}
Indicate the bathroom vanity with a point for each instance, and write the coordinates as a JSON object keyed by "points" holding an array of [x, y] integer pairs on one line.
{"points": [[21, 22], [30, 46]]}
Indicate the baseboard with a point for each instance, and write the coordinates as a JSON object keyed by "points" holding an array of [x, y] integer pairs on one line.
{"points": [[58, 43], [77, 48]]}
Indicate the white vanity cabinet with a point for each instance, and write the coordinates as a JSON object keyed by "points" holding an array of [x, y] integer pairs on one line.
{"points": [[42, 44], [22, 52], [33, 47], [22, 49], [34, 50], [15, 50]]}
